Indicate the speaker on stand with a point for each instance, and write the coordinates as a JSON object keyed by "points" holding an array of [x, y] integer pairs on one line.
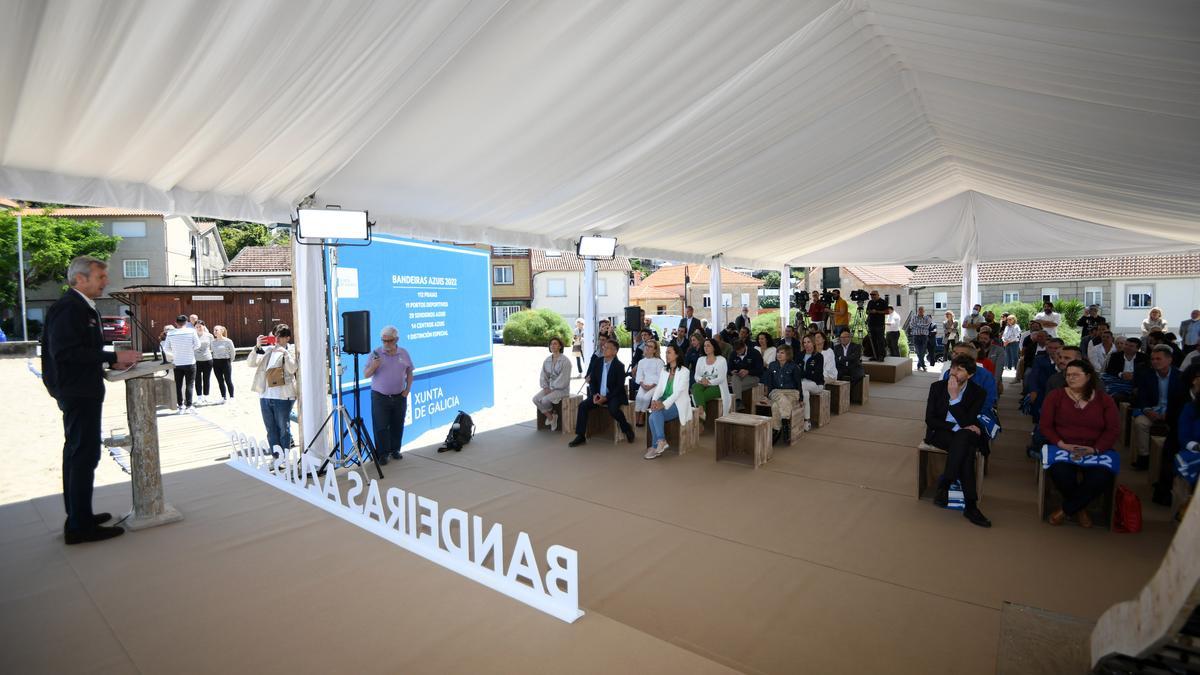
{"points": [[356, 332], [633, 319]]}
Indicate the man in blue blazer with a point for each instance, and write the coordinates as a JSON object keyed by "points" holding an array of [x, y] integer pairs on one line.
{"points": [[1161, 396], [606, 389]]}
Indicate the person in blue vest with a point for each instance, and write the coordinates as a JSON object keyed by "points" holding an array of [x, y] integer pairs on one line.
{"points": [[1161, 396]]}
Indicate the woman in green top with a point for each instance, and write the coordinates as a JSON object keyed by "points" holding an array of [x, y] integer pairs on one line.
{"points": [[669, 401]]}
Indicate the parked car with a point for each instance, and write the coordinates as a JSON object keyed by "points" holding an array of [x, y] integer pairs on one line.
{"points": [[114, 328]]}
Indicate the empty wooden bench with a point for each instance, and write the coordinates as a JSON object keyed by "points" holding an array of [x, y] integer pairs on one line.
{"points": [[744, 438], [860, 391], [820, 402], [839, 392]]}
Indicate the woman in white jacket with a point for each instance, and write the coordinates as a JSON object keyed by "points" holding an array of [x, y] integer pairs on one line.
{"points": [[670, 400], [276, 399], [711, 374], [830, 363]]}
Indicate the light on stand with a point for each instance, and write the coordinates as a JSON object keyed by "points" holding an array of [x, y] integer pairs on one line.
{"points": [[332, 223], [597, 248]]}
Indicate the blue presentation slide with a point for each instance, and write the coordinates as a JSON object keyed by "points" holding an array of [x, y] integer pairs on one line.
{"points": [[439, 299]]}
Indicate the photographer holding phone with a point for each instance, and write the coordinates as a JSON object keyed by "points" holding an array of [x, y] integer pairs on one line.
{"points": [[275, 383], [391, 371]]}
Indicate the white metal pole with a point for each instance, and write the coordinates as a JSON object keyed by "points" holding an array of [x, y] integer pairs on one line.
{"points": [[588, 297], [21, 278], [785, 297], [716, 320]]}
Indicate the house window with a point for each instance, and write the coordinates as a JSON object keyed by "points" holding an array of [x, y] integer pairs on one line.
{"points": [[601, 288], [129, 228], [745, 299], [1049, 295], [1093, 295], [707, 300], [509, 251], [940, 301], [1012, 296], [556, 288], [207, 250], [272, 281], [502, 275], [1139, 297], [137, 269], [662, 309], [726, 299]]}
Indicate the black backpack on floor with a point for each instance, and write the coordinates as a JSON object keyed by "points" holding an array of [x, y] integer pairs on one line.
{"points": [[460, 433]]}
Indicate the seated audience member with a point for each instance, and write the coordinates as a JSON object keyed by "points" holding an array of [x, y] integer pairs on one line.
{"points": [[1189, 332], [1160, 399], [1099, 354], [1120, 374], [646, 378], [1034, 342], [789, 338], [638, 348], [744, 335], [745, 369], [766, 348], [989, 320], [681, 341], [694, 352], [990, 350], [555, 381], [812, 374], [1045, 364], [712, 371], [705, 330], [669, 401], [1153, 322], [1187, 463], [848, 357], [1066, 355], [606, 389], [828, 360], [979, 376], [1081, 419], [782, 378], [730, 333], [724, 348], [648, 326], [952, 424]]}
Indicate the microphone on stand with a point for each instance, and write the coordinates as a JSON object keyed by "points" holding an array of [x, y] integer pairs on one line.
{"points": [[146, 334]]}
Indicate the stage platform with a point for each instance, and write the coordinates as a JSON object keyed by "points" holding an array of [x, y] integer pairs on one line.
{"points": [[821, 561], [891, 370]]}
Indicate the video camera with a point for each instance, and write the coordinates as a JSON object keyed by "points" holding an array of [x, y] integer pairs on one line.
{"points": [[860, 296], [802, 298]]}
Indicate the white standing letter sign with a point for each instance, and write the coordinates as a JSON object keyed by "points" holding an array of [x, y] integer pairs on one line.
{"points": [[449, 537]]}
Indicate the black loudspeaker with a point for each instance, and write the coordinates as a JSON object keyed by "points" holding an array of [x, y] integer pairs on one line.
{"points": [[831, 278], [356, 332], [633, 319]]}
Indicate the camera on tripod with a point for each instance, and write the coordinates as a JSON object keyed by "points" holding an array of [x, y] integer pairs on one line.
{"points": [[860, 296]]}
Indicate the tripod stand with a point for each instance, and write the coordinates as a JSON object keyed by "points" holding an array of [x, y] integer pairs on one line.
{"points": [[352, 428]]}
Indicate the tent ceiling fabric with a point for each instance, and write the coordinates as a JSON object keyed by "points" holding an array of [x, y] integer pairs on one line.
{"points": [[859, 131]]}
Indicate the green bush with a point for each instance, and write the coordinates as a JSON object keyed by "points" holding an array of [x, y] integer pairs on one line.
{"points": [[903, 344], [535, 327], [623, 336], [768, 302], [767, 322], [1069, 334], [1071, 309], [1024, 311]]}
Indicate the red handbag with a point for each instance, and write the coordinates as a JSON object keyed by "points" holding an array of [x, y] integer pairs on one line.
{"points": [[1129, 511]]}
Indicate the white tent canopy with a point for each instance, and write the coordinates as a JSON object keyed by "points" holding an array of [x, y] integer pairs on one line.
{"points": [[770, 132]]}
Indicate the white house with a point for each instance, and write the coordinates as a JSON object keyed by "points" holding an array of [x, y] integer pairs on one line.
{"points": [[558, 279]]}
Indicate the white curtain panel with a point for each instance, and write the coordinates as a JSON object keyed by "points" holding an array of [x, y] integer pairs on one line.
{"points": [[771, 132]]}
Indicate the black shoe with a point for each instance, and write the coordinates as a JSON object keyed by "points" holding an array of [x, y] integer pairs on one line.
{"points": [[1141, 463], [941, 499], [395, 454], [382, 459], [576, 442], [786, 431], [1161, 497], [98, 533], [973, 514], [775, 436], [97, 519], [629, 436]]}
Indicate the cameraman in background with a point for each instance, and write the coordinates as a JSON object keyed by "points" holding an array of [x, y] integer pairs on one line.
{"points": [[841, 313], [877, 310], [817, 311]]}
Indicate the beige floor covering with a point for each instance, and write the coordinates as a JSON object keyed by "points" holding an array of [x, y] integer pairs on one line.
{"points": [[822, 561]]}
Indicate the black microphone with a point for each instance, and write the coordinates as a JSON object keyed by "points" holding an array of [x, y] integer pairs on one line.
{"points": [[146, 334]]}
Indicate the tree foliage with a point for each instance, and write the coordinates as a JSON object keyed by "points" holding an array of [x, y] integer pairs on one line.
{"points": [[50, 243], [236, 236]]}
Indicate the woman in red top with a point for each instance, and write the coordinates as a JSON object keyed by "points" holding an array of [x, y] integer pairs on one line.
{"points": [[1082, 420]]}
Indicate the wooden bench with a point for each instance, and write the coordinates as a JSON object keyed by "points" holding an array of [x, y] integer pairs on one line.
{"points": [[1102, 511], [600, 422], [1125, 424], [820, 402], [796, 422], [892, 369], [680, 438], [542, 425], [839, 392], [931, 463], [751, 395], [860, 391], [570, 411], [744, 438], [1156, 456]]}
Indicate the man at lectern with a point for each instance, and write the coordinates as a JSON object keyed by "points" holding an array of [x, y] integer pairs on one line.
{"points": [[73, 360]]}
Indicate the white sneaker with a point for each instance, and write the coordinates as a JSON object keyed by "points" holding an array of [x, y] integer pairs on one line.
{"points": [[191, 410], [700, 414], [807, 425], [181, 410]]}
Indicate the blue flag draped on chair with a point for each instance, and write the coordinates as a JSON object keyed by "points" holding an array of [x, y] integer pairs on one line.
{"points": [[1187, 465], [1109, 459]]}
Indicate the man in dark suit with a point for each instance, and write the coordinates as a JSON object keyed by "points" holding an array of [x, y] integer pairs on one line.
{"points": [[744, 320], [954, 427], [848, 357], [689, 323], [1161, 396], [745, 369], [73, 360], [606, 389]]}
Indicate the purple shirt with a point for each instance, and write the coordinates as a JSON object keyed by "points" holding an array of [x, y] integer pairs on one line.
{"points": [[391, 377]]}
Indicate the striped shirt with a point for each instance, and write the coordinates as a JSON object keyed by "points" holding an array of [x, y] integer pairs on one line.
{"points": [[920, 325], [182, 344]]}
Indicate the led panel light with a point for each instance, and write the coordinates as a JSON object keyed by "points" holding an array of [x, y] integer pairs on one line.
{"points": [[597, 248], [332, 224]]}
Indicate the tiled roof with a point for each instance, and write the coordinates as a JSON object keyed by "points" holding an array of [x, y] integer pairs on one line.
{"points": [[644, 292], [672, 275], [1116, 267], [882, 275], [8, 204], [569, 262], [91, 212], [261, 259]]}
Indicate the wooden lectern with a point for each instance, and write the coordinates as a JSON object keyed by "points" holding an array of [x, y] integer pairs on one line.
{"points": [[150, 509]]}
